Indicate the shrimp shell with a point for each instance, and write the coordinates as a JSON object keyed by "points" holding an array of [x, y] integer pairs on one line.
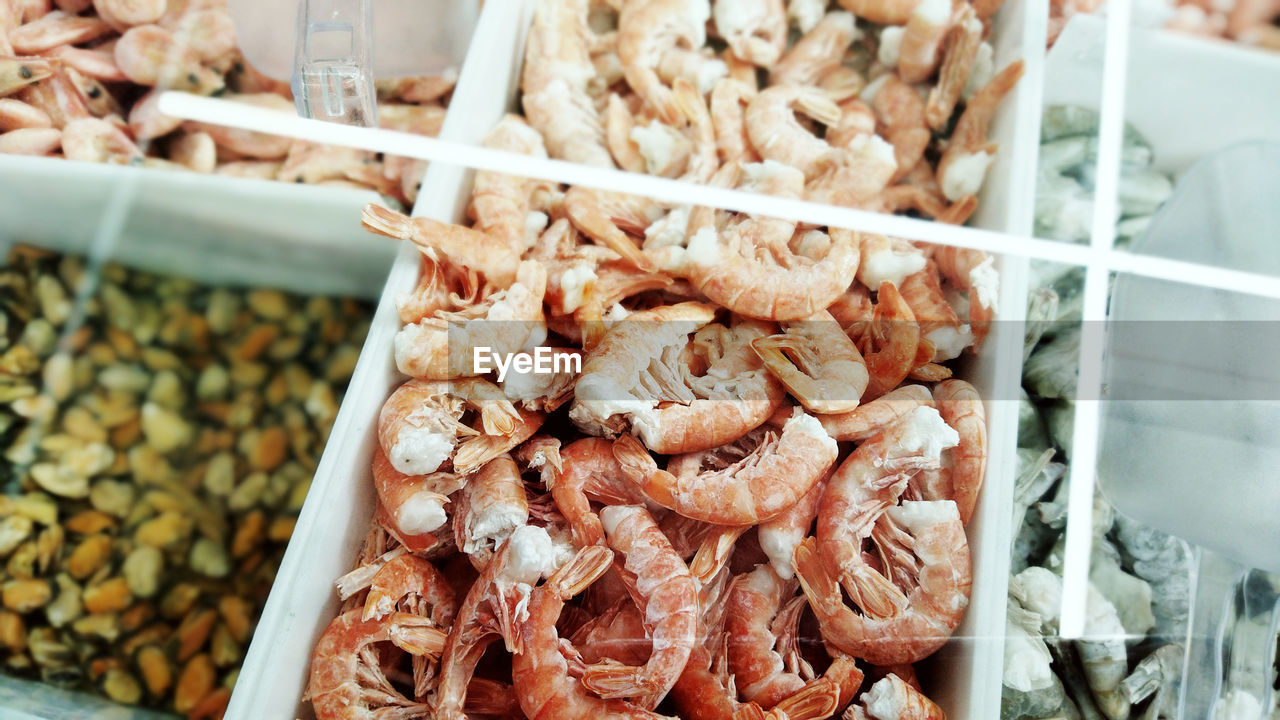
{"points": [[55, 29], [961, 407], [869, 419]]}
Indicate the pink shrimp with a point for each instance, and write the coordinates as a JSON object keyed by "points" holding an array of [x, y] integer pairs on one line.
{"points": [[56, 29], [972, 271], [919, 50], [94, 140], [409, 576], [414, 503], [492, 256], [896, 335], [901, 113], [873, 417], [30, 141], [817, 363], [540, 670], [961, 407], [15, 114], [151, 55], [728, 102], [962, 166], [668, 596], [646, 30], [770, 478], [893, 697], [19, 73], [589, 470], [779, 536], [938, 321], [346, 682], [491, 506], [756, 30], [817, 52], [958, 56], [617, 634], [884, 12]]}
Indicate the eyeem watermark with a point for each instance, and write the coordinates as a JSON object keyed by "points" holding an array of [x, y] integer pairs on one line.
{"points": [[542, 361]]}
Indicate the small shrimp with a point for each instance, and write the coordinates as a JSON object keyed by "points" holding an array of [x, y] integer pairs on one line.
{"points": [[697, 67], [94, 140], [921, 43], [493, 505], [410, 576], [598, 214], [475, 451], [972, 271], [818, 52], [501, 203], [782, 286], [728, 115], [893, 698], [871, 418], [938, 321], [251, 144], [901, 113], [419, 426], [964, 164], [53, 30], [618, 125], [345, 685], [958, 57], [146, 122], [817, 363], [30, 141], [883, 12], [151, 55], [703, 159], [58, 97], [779, 536], [776, 133], [493, 607], [897, 336], [961, 407], [859, 172], [19, 73], [97, 64], [589, 470], [127, 13], [466, 247], [540, 670], [668, 596], [646, 30], [15, 114], [756, 30], [772, 476], [857, 119], [557, 71], [617, 634], [887, 260], [413, 504]]}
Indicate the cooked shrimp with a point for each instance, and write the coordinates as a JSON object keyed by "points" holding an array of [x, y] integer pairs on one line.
{"points": [[475, 451], [413, 504], [646, 30], [147, 123], [961, 407], [919, 49], [728, 116], [818, 52], [728, 269], [589, 470], [756, 30], [598, 215], [618, 124], [53, 30], [776, 133], [939, 324], [97, 64], [697, 67], [247, 142], [963, 165], [540, 670], [57, 97], [772, 476], [15, 114], [127, 13], [972, 271], [958, 57], [30, 141], [616, 634], [883, 12], [557, 70], [892, 698], [896, 336], [857, 119], [703, 159], [18, 73], [779, 536], [858, 174], [817, 363], [873, 417], [901, 113], [495, 506], [151, 55], [94, 140], [419, 426], [409, 576], [344, 685], [669, 598], [501, 203], [804, 14], [464, 246], [494, 607]]}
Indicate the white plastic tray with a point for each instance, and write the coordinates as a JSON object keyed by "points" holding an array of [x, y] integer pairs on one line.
{"points": [[335, 518]]}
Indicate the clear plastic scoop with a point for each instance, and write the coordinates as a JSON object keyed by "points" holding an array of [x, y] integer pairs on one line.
{"points": [[1191, 424], [326, 48]]}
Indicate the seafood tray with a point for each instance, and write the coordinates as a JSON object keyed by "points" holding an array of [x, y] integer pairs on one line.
{"points": [[964, 677]]}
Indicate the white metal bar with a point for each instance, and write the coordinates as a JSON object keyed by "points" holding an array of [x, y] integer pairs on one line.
{"points": [[1085, 432], [230, 114]]}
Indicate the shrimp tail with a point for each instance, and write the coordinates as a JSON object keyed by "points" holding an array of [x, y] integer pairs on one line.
{"points": [[612, 679], [874, 593], [818, 699], [635, 459], [583, 569], [416, 635], [714, 552], [385, 221]]}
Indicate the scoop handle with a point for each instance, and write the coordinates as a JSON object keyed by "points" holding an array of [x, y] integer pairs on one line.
{"points": [[333, 62]]}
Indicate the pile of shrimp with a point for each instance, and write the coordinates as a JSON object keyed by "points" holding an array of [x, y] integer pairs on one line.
{"points": [[1254, 23], [748, 499], [80, 79], [883, 105]]}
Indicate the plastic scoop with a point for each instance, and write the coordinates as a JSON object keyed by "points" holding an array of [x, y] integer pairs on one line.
{"points": [[326, 48], [1191, 424]]}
